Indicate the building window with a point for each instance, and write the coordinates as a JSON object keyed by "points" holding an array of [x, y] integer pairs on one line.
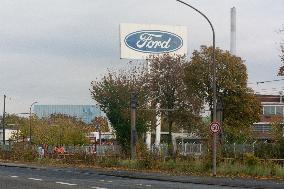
{"points": [[269, 110], [262, 128]]}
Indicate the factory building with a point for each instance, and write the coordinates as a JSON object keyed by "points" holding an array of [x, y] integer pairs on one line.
{"points": [[84, 112]]}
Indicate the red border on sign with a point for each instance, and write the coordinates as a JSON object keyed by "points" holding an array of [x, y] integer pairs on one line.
{"points": [[219, 127]]}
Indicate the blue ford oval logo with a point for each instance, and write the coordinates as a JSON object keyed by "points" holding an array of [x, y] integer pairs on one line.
{"points": [[153, 41]]}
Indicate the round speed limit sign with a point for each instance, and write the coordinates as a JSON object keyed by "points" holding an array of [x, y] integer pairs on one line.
{"points": [[215, 127]]}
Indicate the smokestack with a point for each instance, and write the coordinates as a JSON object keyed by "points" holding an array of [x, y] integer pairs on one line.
{"points": [[233, 31]]}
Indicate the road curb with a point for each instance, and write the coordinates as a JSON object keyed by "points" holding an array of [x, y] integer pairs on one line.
{"points": [[20, 165], [216, 181]]}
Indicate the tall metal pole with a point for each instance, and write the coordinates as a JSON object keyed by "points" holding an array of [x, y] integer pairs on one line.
{"points": [[30, 125], [98, 129], [3, 119], [100, 136], [213, 83], [133, 104], [31, 121]]}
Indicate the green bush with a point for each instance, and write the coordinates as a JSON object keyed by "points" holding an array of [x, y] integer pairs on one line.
{"points": [[109, 161], [169, 165], [279, 171], [22, 152], [250, 159], [281, 148], [251, 166], [267, 150]]}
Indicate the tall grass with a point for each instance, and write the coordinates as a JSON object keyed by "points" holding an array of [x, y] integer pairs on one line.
{"points": [[248, 165]]}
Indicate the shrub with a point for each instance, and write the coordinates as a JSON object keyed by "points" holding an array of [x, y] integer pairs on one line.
{"points": [[22, 152], [169, 165], [267, 150], [109, 161], [281, 148], [250, 159]]}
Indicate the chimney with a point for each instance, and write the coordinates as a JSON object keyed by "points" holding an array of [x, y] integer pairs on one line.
{"points": [[233, 31]]}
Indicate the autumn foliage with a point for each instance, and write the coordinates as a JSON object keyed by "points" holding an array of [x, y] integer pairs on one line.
{"points": [[181, 89], [239, 106]]}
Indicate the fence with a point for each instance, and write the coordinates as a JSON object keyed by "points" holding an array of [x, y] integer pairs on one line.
{"points": [[228, 150], [262, 150], [232, 150], [99, 150], [108, 150], [161, 150], [183, 149], [190, 149]]}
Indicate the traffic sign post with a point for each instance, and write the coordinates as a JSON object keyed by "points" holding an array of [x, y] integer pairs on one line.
{"points": [[215, 129]]}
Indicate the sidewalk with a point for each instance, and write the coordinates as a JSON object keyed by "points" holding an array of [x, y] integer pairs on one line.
{"points": [[218, 181]]}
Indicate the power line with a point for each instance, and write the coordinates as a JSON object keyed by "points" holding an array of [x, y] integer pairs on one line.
{"points": [[268, 81]]}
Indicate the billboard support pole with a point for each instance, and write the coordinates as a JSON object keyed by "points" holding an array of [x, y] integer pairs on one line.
{"points": [[214, 85]]}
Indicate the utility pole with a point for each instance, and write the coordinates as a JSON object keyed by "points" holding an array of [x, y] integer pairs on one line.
{"points": [[30, 124], [31, 121], [214, 88], [133, 106], [3, 120]]}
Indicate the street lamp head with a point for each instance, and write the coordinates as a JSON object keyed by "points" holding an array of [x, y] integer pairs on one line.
{"points": [[33, 103]]}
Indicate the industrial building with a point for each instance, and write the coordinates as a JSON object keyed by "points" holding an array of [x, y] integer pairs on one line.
{"points": [[272, 105], [84, 112]]}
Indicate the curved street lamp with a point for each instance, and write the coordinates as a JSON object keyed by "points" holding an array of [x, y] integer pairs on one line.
{"points": [[31, 121], [213, 82]]}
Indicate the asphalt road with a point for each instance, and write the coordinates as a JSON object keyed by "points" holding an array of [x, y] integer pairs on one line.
{"points": [[52, 178]]}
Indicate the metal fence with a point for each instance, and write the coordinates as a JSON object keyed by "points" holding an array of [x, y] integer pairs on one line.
{"points": [[185, 149], [108, 150], [190, 149], [100, 150], [235, 149], [161, 150]]}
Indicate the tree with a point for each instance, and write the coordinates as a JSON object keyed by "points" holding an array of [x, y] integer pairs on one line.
{"points": [[21, 124], [60, 130], [276, 127], [101, 122], [182, 106], [240, 107], [112, 93]]}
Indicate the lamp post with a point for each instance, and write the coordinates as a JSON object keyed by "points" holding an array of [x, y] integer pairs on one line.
{"points": [[31, 121], [3, 120], [98, 128], [213, 83]]}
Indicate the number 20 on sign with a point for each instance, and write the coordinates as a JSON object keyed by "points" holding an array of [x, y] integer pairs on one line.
{"points": [[215, 127]]}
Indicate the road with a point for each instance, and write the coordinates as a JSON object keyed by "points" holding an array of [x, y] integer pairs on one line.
{"points": [[53, 178]]}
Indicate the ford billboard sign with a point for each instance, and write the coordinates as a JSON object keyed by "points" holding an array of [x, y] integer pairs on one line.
{"points": [[138, 41], [153, 41]]}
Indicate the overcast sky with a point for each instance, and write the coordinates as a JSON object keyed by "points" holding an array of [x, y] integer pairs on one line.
{"points": [[50, 50]]}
